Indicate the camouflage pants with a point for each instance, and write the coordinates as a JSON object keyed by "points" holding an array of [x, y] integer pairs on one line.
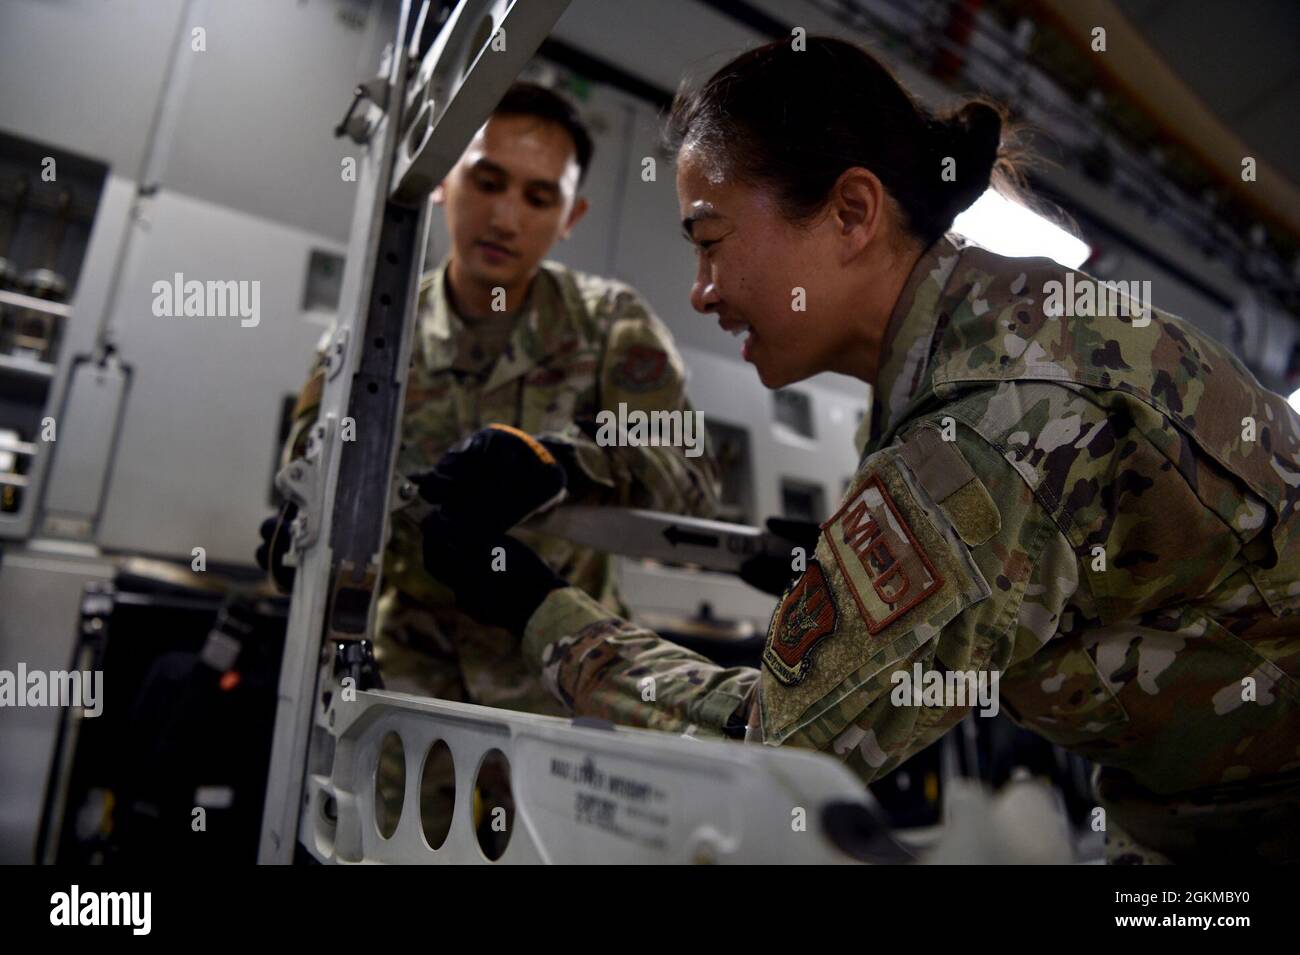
{"points": [[1253, 821], [440, 653]]}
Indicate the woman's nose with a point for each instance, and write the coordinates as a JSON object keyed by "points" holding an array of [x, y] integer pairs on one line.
{"points": [[704, 293]]}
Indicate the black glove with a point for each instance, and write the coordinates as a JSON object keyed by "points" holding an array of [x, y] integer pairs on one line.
{"points": [[770, 571], [275, 545], [501, 589], [496, 478]]}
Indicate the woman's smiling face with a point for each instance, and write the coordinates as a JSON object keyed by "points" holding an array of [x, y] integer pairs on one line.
{"points": [[772, 281]]}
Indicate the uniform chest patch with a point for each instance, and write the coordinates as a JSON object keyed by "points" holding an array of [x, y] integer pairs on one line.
{"points": [[805, 616], [887, 570]]}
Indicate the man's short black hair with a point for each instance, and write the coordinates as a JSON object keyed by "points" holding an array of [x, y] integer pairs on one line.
{"points": [[530, 99]]}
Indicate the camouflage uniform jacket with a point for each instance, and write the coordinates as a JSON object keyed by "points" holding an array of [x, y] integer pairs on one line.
{"points": [[580, 344], [1101, 510]]}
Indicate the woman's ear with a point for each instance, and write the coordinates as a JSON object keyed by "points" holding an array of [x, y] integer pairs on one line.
{"points": [[857, 204]]}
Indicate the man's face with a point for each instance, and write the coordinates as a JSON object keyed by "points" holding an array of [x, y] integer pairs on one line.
{"points": [[753, 264], [510, 197]]}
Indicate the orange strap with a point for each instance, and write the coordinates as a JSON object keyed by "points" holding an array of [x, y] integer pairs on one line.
{"points": [[538, 448]]}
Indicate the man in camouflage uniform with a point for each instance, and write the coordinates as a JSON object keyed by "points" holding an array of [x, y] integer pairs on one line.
{"points": [[1101, 510], [566, 346]]}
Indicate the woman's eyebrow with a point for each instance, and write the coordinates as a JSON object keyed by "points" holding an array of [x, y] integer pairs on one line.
{"points": [[704, 212]]}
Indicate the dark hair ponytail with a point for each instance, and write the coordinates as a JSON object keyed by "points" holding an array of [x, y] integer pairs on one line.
{"points": [[796, 119], [972, 136]]}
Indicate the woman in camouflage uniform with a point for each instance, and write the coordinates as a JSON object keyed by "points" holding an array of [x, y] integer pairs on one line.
{"points": [[1088, 503]]}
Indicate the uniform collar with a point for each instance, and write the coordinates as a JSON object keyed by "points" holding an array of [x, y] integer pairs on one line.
{"points": [[908, 346], [540, 328]]}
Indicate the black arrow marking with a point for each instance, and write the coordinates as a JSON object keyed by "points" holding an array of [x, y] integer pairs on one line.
{"points": [[676, 535]]}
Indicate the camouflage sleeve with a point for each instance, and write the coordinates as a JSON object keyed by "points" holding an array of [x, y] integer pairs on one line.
{"points": [[604, 666], [939, 570], [939, 562], [641, 371]]}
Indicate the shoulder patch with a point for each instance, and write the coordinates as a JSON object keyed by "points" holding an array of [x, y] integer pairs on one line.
{"points": [[643, 368], [804, 617], [887, 569]]}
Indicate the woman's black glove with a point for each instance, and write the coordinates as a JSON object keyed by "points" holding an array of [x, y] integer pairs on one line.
{"points": [[497, 580], [771, 571], [495, 478]]}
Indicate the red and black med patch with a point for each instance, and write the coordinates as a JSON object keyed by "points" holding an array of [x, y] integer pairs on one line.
{"points": [[887, 570], [805, 616]]}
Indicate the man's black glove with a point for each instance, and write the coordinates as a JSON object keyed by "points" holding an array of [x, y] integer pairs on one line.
{"points": [[771, 572], [495, 478], [275, 546], [500, 588]]}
